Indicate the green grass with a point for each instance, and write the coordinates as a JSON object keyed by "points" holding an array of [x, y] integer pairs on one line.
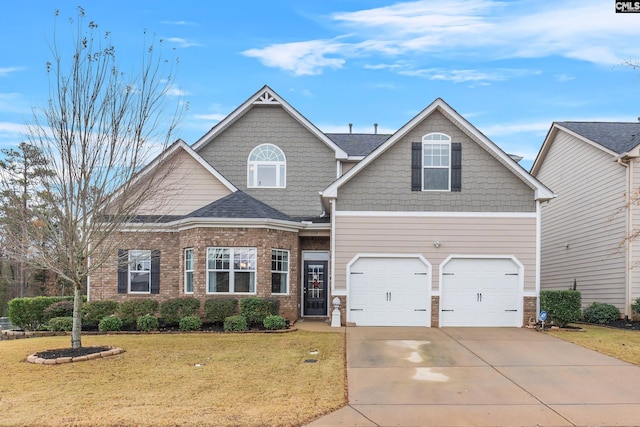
{"points": [[618, 343], [176, 380]]}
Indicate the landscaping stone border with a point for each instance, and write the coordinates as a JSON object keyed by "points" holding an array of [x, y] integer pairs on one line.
{"points": [[61, 360]]}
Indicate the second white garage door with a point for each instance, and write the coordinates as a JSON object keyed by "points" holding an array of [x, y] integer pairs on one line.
{"points": [[481, 292], [389, 292]]}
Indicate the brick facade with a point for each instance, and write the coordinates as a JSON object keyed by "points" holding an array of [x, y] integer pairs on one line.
{"points": [[104, 284]]}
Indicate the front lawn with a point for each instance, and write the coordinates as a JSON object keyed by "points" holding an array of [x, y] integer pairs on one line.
{"points": [[619, 343], [178, 380]]}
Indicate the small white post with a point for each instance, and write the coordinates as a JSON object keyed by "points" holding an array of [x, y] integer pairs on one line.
{"points": [[335, 314]]}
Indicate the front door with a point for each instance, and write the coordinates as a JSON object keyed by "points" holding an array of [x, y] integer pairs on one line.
{"points": [[315, 288]]}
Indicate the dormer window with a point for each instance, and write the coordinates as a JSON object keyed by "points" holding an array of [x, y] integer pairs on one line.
{"points": [[267, 167]]}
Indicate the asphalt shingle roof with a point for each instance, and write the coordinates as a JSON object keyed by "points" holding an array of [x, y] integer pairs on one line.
{"points": [[238, 205], [358, 144], [619, 137]]}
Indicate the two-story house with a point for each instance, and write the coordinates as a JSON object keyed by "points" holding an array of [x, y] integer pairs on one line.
{"points": [[431, 226]]}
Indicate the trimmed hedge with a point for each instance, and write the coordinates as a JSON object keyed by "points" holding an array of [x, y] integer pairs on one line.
{"points": [[601, 313], [59, 309], [28, 313], [61, 324], [256, 309], [235, 324], [218, 309], [635, 307], [171, 311], [130, 310], [562, 307], [147, 323], [273, 323], [110, 323], [93, 312], [190, 323]]}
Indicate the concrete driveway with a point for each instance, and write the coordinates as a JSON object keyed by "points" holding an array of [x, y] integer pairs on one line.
{"points": [[482, 377]]}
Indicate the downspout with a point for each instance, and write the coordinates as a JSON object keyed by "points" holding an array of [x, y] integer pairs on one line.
{"points": [[538, 253], [628, 229]]}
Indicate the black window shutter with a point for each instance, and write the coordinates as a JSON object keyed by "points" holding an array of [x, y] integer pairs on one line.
{"points": [[123, 270], [456, 166], [416, 166], [155, 272]]}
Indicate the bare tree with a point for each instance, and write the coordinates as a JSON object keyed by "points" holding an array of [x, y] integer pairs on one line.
{"points": [[98, 132]]}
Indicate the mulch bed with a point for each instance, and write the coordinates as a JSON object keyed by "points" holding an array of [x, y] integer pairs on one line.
{"points": [[623, 324], [71, 352]]}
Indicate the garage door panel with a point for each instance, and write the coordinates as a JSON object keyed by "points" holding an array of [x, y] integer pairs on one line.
{"points": [[481, 292], [389, 292]]}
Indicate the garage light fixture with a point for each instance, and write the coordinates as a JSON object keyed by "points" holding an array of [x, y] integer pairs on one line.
{"points": [[436, 244]]}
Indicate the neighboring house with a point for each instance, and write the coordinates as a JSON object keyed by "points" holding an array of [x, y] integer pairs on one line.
{"points": [[431, 226], [593, 168]]}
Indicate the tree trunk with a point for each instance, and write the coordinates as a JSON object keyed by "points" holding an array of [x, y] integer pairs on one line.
{"points": [[76, 339]]}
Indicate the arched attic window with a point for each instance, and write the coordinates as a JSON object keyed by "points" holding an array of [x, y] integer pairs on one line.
{"points": [[436, 155], [267, 167]]}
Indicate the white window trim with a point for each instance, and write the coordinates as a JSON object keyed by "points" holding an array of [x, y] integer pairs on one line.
{"points": [[232, 271], [130, 270], [287, 272], [187, 271], [426, 141], [253, 183]]}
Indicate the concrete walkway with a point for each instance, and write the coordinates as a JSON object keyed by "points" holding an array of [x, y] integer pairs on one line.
{"points": [[481, 377]]}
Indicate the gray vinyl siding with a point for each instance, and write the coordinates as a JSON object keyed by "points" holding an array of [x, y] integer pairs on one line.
{"points": [[487, 184], [470, 236], [590, 189], [311, 165]]}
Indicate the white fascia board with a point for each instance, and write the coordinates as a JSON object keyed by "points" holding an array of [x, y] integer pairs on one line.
{"points": [[542, 192], [273, 99], [439, 214], [189, 223]]}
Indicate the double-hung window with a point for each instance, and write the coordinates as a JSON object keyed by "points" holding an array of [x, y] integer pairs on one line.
{"points": [[436, 162], [231, 270], [188, 271], [140, 271], [267, 167], [279, 271]]}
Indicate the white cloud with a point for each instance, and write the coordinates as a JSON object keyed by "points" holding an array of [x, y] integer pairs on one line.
{"points": [[586, 30], [5, 71], [462, 76], [174, 91], [180, 23], [210, 117], [181, 42], [300, 58]]}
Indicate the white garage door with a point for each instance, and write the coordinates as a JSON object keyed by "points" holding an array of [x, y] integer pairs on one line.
{"points": [[480, 292], [389, 292]]}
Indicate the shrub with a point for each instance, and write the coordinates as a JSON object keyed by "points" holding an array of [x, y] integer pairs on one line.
{"points": [[275, 322], [190, 323], [601, 313], [94, 311], [110, 323], [635, 306], [218, 309], [235, 324], [256, 309], [61, 323], [147, 323], [130, 310], [175, 309], [28, 313], [562, 307], [59, 309]]}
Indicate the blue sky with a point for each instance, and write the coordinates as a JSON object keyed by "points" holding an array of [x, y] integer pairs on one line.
{"points": [[510, 67]]}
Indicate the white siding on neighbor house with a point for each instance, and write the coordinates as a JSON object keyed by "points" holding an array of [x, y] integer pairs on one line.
{"points": [[582, 228], [635, 220], [189, 186], [459, 235]]}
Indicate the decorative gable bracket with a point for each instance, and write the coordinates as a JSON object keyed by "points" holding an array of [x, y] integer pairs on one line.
{"points": [[266, 98]]}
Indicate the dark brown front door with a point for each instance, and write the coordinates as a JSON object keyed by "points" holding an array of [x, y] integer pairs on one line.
{"points": [[315, 288]]}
